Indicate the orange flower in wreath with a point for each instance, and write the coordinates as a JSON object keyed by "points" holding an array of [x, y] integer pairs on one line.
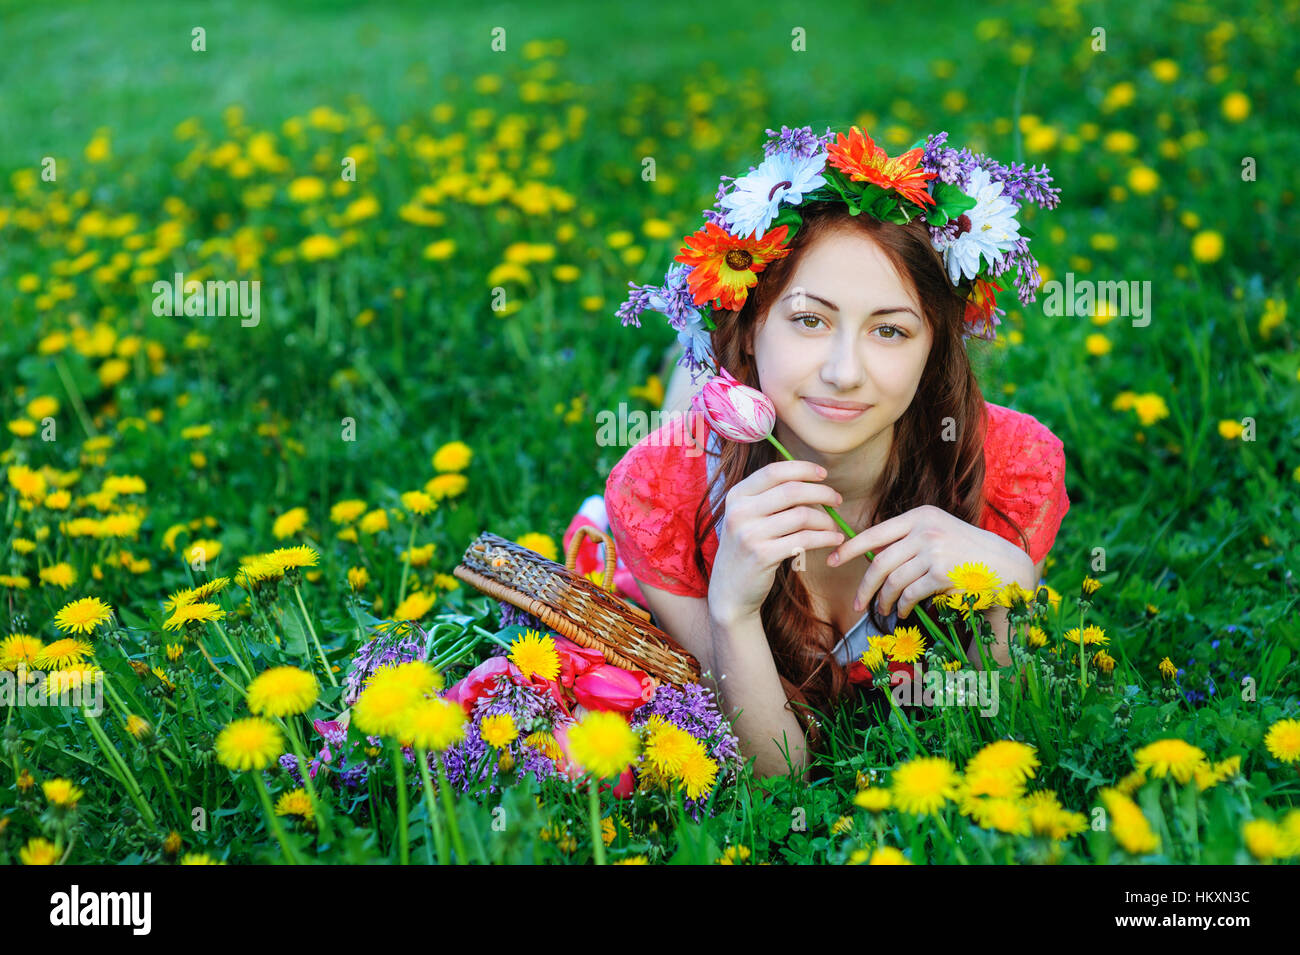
{"points": [[861, 159], [980, 305], [726, 267]]}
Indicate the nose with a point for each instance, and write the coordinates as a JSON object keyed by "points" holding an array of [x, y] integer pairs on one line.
{"points": [[844, 369]]}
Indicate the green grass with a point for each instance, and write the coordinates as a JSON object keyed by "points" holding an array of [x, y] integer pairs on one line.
{"points": [[1195, 530]]}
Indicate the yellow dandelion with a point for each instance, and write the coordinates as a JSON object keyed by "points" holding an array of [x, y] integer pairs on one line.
{"points": [[1005, 756], [888, 855], [1283, 740], [296, 803], [40, 851], [908, 645], [289, 523], [873, 799], [1128, 825], [286, 558], [1167, 669], [282, 691], [415, 606], [541, 543], [498, 730], [974, 578], [603, 743], [668, 746], [535, 655], [1170, 757], [453, 456], [921, 786], [345, 512], [193, 613], [1264, 839], [418, 502], [433, 724], [61, 792], [358, 577], [139, 727], [1089, 635], [65, 654], [19, 648], [83, 616], [251, 743], [58, 575], [198, 858]]}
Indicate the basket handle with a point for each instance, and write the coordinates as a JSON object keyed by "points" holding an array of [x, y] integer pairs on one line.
{"points": [[571, 554]]}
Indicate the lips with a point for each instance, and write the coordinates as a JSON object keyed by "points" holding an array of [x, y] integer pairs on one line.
{"points": [[835, 414]]}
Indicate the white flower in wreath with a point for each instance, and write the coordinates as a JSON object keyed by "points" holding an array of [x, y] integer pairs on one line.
{"points": [[993, 229]]}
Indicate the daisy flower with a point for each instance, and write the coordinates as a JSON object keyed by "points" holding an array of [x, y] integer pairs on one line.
{"points": [[988, 231], [756, 198]]}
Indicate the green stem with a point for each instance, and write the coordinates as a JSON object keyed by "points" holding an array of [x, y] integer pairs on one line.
{"points": [[304, 765], [450, 806], [435, 823], [176, 803], [399, 770], [75, 395], [849, 533], [593, 817], [239, 660], [274, 822], [128, 778], [943, 827], [314, 639], [406, 564]]}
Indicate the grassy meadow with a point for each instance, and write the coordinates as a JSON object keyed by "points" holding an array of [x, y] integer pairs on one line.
{"points": [[441, 232]]}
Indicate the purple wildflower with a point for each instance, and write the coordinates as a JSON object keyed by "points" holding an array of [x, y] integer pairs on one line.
{"points": [[387, 649], [802, 143]]}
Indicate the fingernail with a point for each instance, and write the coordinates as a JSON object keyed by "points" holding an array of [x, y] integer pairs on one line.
{"points": [[857, 603], [833, 559], [821, 471]]}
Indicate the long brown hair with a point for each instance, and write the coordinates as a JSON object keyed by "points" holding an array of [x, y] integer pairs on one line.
{"points": [[922, 467]]}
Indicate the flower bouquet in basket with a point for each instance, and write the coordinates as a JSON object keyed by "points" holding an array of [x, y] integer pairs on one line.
{"points": [[538, 704]]}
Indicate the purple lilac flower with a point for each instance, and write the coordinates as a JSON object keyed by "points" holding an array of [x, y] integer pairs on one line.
{"points": [[531, 710], [387, 649], [801, 143], [1020, 185], [692, 709], [512, 616]]}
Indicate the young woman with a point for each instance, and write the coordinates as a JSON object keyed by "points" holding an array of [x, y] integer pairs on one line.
{"points": [[856, 335]]}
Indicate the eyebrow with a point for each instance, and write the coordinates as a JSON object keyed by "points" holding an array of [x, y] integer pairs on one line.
{"points": [[835, 308]]}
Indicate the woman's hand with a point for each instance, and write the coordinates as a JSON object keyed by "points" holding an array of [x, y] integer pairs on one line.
{"points": [[915, 552], [772, 515]]}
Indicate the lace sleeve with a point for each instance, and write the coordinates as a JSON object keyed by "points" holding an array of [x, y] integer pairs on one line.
{"points": [[650, 499], [1025, 477]]}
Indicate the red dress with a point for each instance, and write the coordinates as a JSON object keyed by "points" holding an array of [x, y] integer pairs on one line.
{"points": [[652, 494]]}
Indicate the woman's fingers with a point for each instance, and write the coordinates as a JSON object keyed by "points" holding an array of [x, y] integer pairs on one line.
{"points": [[879, 571]]}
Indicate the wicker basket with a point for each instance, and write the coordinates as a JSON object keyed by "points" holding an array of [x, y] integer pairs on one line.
{"points": [[573, 606]]}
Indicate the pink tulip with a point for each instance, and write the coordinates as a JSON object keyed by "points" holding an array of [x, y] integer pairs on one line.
{"points": [[575, 660], [608, 687], [734, 410], [481, 679]]}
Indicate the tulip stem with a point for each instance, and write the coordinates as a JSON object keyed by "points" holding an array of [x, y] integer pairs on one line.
{"points": [[849, 532]]}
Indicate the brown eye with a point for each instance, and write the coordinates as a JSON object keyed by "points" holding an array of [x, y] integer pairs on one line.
{"points": [[803, 318]]}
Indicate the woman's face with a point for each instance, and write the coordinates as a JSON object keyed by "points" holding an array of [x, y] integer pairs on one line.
{"points": [[847, 328]]}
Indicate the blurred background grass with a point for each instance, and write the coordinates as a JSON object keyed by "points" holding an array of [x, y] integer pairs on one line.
{"points": [[1185, 515]]}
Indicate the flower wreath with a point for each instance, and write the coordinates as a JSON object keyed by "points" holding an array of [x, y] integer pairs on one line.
{"points": [[968, 201]]}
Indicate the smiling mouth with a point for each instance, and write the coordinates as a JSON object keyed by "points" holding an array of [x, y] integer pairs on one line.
{"points": [[836, 414]]}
